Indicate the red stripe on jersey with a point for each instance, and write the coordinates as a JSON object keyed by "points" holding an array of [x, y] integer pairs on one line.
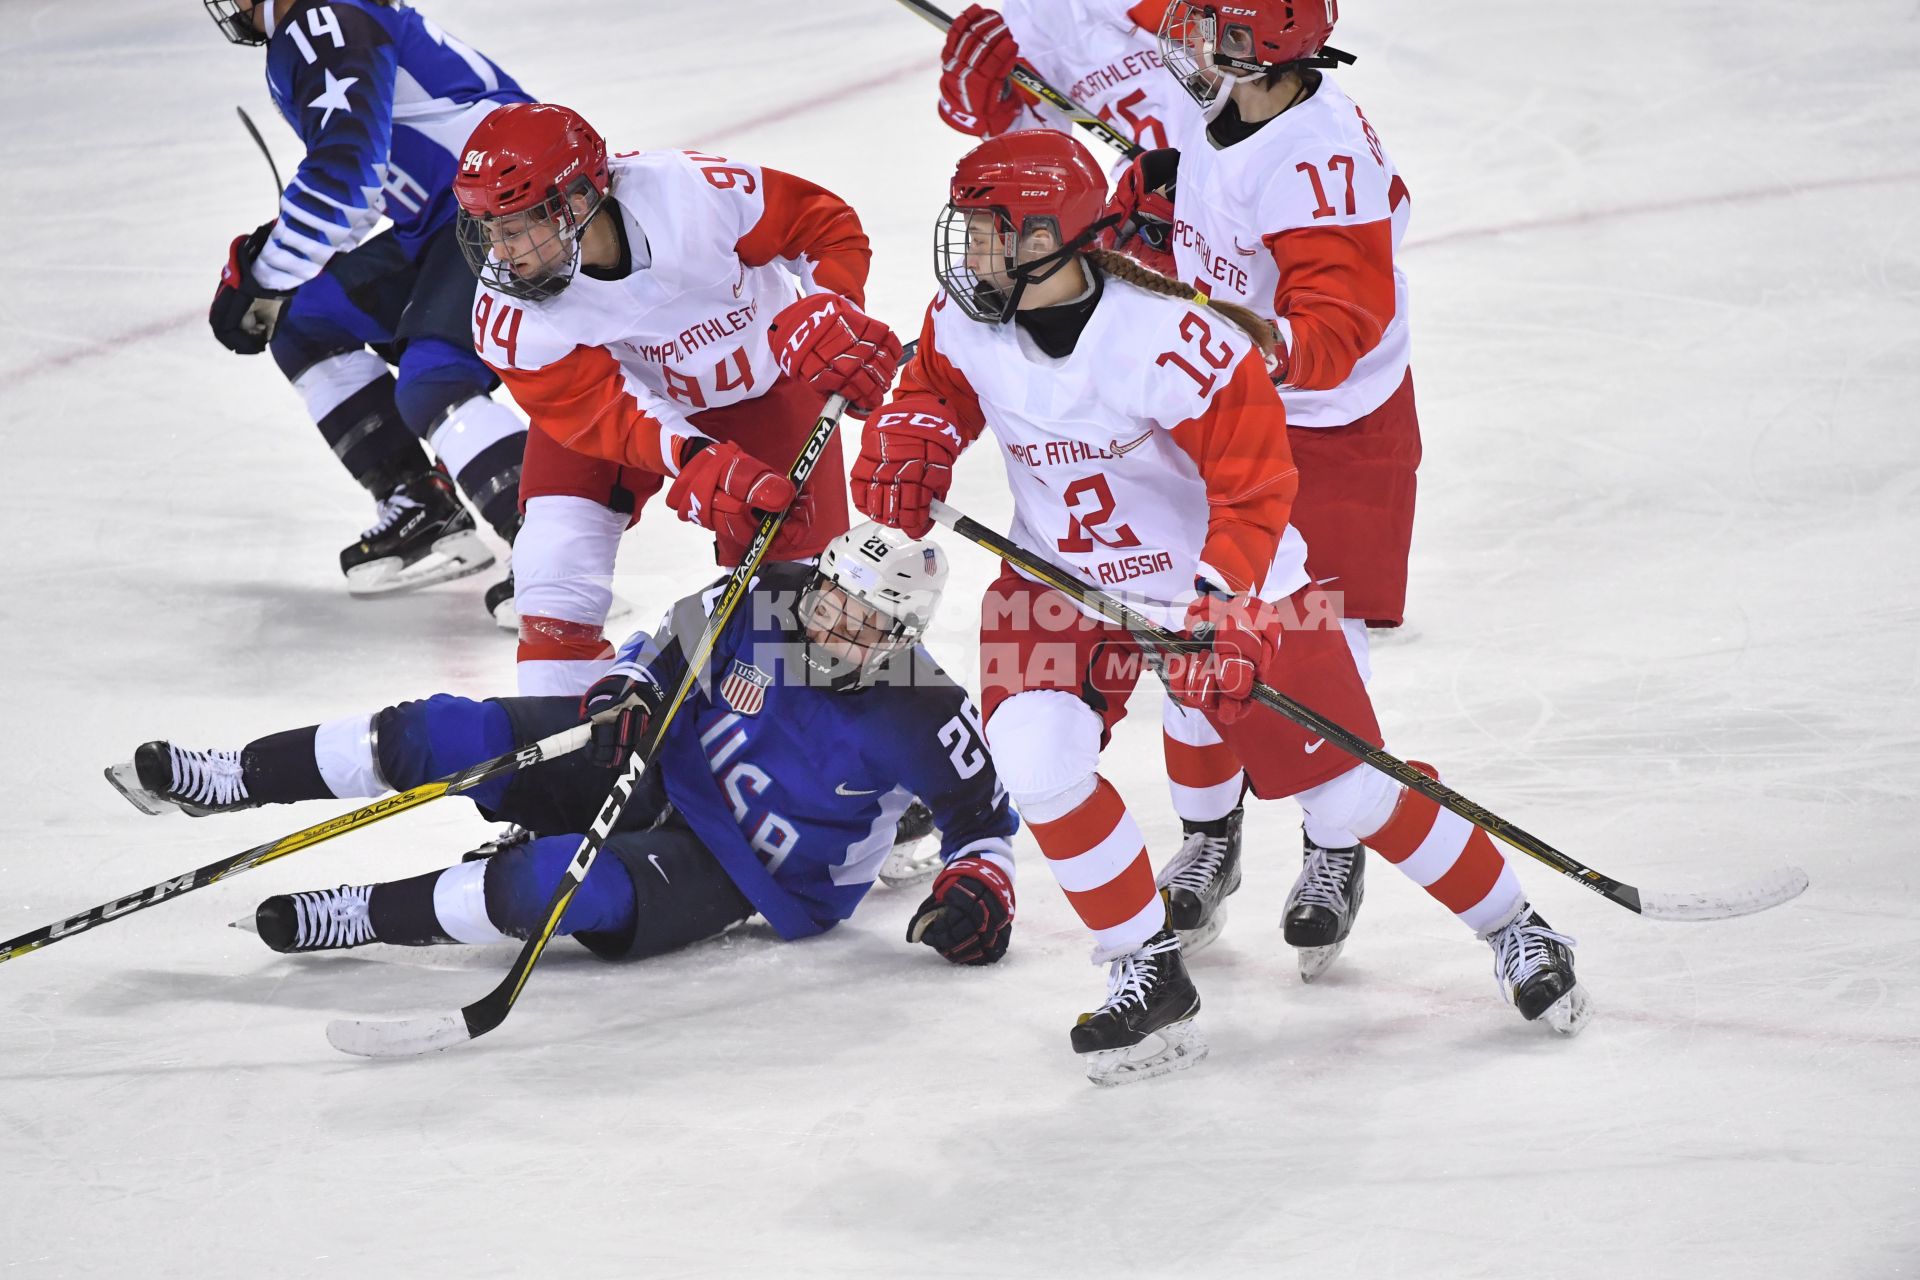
{"points": [[582, 401], [1336, 293], [801, 220]]}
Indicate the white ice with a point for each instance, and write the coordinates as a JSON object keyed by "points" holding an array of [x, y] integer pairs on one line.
{"points": [[1664, 614]]}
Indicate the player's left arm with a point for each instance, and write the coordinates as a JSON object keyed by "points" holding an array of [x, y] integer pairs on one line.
{"points": [[1333, 244], [345, 67], [810, 230]]}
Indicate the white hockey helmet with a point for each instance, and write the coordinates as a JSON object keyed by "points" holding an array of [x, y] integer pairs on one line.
{"points": [[871, 598]]}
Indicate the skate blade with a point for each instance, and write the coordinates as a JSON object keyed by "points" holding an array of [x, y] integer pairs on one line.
{"points": [[1174, 1047], [911, 863], [126, 780], [1315, 961], [1569, 1015], [1192, 940], [454, 556]]}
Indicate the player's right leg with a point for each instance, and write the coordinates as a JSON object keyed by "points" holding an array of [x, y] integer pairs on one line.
{"points": [[576, 508], [1053, 683]]}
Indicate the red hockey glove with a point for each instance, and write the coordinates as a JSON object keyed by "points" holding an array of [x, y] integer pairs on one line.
{"points": [[975, 95], [906, 461], [244, 315], [723, 488], [621, 704], [836, 348], [1142, 201], [1245, 636], [968, 918]]}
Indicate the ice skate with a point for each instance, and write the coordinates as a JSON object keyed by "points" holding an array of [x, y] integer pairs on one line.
{"points": [[914, 857], [324, 920], [1145, 1028], [1195, 884], [1322, 904], [1535, 968], [163, 778], [421, 535]]}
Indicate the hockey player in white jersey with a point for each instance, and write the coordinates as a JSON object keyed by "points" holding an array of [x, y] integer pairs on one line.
{"points": [[775, 792], [1147, 452], [382, 100], [666, 319]]}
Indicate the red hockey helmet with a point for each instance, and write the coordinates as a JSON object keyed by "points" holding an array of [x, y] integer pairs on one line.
{"points": [[532, 175], [1019, 207], [1208, 46]]}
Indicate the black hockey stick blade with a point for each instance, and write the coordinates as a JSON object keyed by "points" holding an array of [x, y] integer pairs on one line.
{"points": [[366, 815], [407, 1037], [279, 187], [1781, 886]]}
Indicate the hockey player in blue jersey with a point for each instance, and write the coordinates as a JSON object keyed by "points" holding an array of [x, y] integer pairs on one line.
{"points": [[383, 101], [776, 791]]}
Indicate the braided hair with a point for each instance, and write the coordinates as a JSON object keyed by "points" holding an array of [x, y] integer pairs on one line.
{"points": [[1121, 267]]}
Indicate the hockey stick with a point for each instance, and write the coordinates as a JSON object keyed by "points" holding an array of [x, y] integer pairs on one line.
{"points": [[1770, 891], [408, 1036], [560, 744], [279, 187], [1029, 79]]}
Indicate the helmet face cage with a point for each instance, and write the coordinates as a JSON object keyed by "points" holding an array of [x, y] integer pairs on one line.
{"points": [[531, 253], [228, 16], [847, 639], [976, 257], [1204, 54]]}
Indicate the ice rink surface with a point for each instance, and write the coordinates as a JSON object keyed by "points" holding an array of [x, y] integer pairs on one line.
{"points": [[1665, 613]]}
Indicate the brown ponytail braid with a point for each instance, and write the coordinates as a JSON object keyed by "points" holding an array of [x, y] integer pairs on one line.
{"points": [[1121, 267]]}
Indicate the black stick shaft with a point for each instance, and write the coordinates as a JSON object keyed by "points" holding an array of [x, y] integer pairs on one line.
{"points": [[1156, 637], [278, 186]]}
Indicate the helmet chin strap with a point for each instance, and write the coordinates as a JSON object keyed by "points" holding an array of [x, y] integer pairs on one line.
{"points": [[1043, 269]]}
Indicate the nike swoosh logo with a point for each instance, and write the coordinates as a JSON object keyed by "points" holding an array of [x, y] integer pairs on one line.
{"points": [[654, 858], [841, 789], [1131, 445], [1315, 745]]}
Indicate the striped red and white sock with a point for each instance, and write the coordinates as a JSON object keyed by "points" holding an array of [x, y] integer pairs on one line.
{"points": [[1450, 858], [1202, 772], [1099, 857]]}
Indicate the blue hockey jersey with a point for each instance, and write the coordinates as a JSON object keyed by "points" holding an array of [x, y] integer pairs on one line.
{"points": [[384, 101], [797, 789]]}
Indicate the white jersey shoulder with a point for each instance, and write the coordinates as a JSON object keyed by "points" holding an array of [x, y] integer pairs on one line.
{"points": [[1094, 53]]}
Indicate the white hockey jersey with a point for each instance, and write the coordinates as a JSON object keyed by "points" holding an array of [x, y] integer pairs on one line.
{"points": [[1151, 454], [1102, 55], [613, 368], [1302, 222]]}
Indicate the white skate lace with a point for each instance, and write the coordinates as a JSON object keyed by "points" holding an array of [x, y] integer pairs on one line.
{"points": [[332, 918], [1520, 950], [208, 777], [389, 511], [1197, 863], [1132, 974], [1323, 880]]}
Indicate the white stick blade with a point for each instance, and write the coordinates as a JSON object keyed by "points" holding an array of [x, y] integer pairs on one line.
{"points": [[1783, 885], [405, 1038]]}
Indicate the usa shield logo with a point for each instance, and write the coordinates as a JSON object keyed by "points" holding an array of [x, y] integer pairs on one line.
{"points": [[745, 688]]}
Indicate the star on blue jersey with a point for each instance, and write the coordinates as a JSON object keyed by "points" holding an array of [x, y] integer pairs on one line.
{"points": [[799, 794], [384, 100]]}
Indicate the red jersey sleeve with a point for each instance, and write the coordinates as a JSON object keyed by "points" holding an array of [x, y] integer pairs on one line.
{"points": [[802, 221], [1335, 294], [1239, 444], [583, 401]]}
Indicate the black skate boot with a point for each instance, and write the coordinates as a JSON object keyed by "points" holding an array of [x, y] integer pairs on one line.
{"points": [[422, 535], [500, 606], [163, 778], [1145, 1028], [1322, 904], [1195, 884], [913, 857], [325, 920], [1535, 968]]}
